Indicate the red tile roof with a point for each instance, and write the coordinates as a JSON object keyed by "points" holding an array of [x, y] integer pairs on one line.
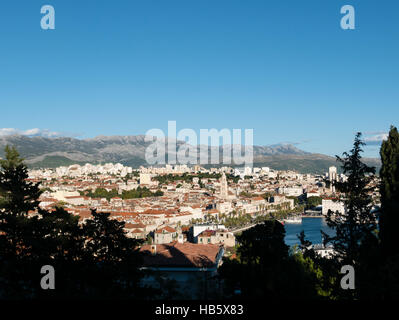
{"points": [[134, 225], [136, 231], [181, 255], [166, 229], [258, 198], [207, 233]]}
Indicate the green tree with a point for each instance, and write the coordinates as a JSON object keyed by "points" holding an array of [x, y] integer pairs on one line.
{"points": [[388, 277], [315, 268], [114, 258], [312, 202], [357, 223], [95, 260], [264, 268], [18, 196], [389, 189], [355, 240], [18, 235], [158, 193]]}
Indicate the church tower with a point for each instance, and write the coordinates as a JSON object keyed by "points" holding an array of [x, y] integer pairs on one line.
{"points": [[332, 175], [223, 187]]}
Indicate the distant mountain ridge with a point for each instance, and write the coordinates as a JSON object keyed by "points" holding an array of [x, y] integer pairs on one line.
{"points": [[130, 150]]}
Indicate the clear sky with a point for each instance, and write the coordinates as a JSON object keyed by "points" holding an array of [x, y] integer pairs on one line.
{"points": [[283, 68]]}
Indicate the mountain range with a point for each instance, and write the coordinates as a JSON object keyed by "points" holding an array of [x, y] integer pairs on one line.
{"points": [[42, 152]]}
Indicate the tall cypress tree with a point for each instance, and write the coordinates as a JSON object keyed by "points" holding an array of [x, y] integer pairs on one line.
{"points": [[355, 241], [358, 223], [389, 189]]}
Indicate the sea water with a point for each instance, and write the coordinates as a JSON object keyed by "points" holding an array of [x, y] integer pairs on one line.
{"points": [[311, 226]]}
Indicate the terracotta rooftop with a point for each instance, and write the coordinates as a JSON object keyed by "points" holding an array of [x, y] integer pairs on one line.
{"points": [[258, 198], [134, 225], [136, 231], [165, 229], [181, 255], [207, 233]]}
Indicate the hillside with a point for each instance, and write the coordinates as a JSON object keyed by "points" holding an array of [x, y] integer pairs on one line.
{"points": [[41, 152]]}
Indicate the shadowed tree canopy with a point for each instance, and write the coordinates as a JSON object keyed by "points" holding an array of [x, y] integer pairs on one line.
{"points": [[389, 189], [93, 259], [388, 280], [264, 268]]}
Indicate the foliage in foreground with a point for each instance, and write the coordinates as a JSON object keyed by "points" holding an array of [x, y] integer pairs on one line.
{"points": [[94, 259]]}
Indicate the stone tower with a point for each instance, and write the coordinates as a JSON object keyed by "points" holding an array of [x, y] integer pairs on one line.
{"points": [[332, 176], [223, 187]]}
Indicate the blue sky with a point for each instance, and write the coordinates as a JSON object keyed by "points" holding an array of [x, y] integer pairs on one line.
{"points": [[282, 68]]}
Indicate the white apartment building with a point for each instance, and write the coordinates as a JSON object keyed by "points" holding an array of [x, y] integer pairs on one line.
{"points": [[291, 191], [224, 207], [333, 205]]}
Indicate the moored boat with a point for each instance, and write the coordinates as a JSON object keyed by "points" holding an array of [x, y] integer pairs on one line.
{"points": [[293, 219]]}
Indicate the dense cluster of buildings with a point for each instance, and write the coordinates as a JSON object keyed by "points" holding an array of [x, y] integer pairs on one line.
{"points": [[187, 219], [209, 196]]}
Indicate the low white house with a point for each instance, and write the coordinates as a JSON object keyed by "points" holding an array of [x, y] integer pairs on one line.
{"points": [[166, 234]]}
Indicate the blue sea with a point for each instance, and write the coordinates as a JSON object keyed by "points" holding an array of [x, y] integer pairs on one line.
{"points": [[311, 226]]}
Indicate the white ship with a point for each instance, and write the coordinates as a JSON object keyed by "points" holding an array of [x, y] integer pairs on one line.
{"points": [[293, 219]]}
